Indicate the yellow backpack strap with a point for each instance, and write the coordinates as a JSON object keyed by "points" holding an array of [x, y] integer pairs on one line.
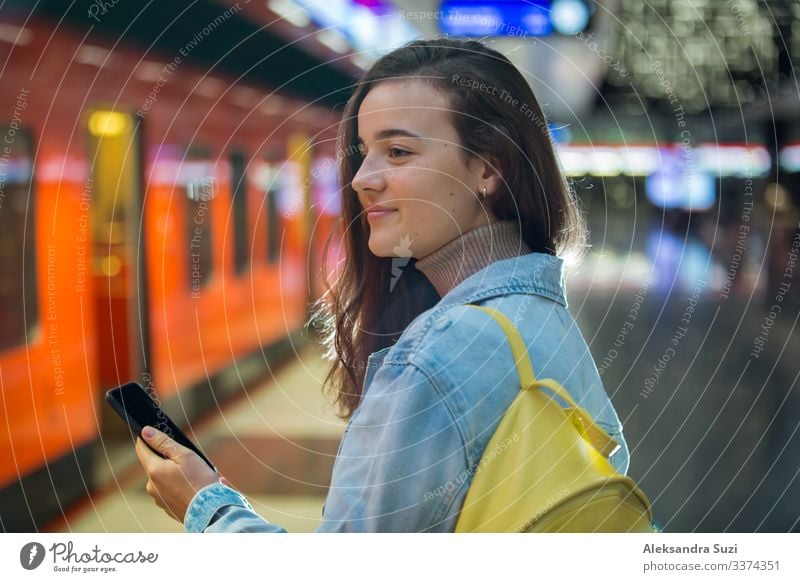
{"points": [[579, 417], [521, 358]]}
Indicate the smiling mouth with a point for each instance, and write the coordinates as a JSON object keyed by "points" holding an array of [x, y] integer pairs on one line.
{"points": [[379, 213]]}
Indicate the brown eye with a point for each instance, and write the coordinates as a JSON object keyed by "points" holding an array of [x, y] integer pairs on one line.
{"points": [[400, 153]]}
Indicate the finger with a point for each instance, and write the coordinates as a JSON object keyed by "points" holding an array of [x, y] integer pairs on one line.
{"points": [[147, 457], [162, 443], [225, 482]]}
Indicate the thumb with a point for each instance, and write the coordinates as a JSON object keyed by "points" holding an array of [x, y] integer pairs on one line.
{"points": [[161, 442]]}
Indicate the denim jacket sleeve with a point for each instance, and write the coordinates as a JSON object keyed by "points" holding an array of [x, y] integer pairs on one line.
{"points": [[402, 466]]}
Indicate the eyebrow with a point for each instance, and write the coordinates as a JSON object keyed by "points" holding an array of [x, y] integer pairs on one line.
{"points": [[389, 133]]}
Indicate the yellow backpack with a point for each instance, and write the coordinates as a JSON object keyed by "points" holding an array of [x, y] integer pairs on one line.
{"points": [[546, 468]]}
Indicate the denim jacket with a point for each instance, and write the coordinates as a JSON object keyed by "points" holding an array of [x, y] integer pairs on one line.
{"points": [[432, 401]]}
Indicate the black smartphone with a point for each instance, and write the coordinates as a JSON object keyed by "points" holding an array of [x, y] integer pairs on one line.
{"points": [[139, 409]]}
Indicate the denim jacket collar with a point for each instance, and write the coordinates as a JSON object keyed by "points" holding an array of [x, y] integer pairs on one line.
{"points": [[533, 273]]}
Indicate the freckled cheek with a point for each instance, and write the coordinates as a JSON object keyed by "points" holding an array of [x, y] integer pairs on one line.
{"points": [[403, 185], [424, 197]]}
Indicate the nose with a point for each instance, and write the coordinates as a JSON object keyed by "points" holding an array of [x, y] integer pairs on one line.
{"points": [[370, 176]]}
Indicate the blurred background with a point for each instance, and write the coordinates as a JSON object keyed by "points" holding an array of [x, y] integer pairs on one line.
{"points": [[168, 181]]}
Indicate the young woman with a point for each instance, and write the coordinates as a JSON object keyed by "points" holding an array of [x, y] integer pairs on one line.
{"points": [[451, 195]]}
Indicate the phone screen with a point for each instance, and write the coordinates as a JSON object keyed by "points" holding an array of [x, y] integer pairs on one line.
{"points": [[138, 409]]}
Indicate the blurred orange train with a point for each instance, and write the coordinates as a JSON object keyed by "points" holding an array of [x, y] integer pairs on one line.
{"points": [[156, 225]]}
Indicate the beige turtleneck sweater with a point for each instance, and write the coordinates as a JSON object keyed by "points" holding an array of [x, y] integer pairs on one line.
{"points": [[447, 266]]}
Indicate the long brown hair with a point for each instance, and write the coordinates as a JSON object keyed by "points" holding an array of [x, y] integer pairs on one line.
{"points": [[368, 306]]}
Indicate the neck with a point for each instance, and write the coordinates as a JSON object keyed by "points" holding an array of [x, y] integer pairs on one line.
{"points": [[447, 266]]}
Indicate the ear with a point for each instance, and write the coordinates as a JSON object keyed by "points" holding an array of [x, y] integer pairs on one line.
{"points": [[486, 170]]}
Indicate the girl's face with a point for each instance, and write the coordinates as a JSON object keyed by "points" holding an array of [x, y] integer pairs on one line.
{"points": [[413, 185]]}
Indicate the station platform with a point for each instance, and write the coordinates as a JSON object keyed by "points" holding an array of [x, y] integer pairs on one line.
{"points": [[275, 442], [704, 380]]}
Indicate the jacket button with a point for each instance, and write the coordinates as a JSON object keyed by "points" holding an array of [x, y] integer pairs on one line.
{"points": [[442, 324]]}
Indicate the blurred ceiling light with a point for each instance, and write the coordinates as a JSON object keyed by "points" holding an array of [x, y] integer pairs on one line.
{"points": [[149, 71], [94, 56], [334, 40], [789, 158], [366, 28], [210, 87], [744, 161], [365, 25], [108, 123], [273, 105], [639, 160], [15, 34], [245, 97], [718, 160], [361, 61], [289, 11], [573, 161], [605, 162]]}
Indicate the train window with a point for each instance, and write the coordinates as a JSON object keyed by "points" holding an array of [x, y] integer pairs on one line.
{"points": [[273, 225], [114, 185], [19, 309], [272, 180], [199, 192], [241, 242]]}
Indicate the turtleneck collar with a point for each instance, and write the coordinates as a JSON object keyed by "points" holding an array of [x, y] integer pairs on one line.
{"points": [[447, 266]]}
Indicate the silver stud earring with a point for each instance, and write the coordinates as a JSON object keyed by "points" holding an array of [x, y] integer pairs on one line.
{"points": [[484, 192]]}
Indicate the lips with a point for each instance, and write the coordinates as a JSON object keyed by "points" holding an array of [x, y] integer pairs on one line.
{"points": [[379, 211]]}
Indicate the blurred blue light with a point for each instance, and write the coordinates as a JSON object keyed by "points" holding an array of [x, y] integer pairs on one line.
{"points": [[673, 187], [562, 134], [368, 25], [569, 16], [505, 18]]}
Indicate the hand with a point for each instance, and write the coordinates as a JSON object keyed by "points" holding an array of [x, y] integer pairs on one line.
{"points": [[174, 480]]}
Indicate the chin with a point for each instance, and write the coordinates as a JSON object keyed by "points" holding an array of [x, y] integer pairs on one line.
{"points": [[380, 250], [383, 249]]}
